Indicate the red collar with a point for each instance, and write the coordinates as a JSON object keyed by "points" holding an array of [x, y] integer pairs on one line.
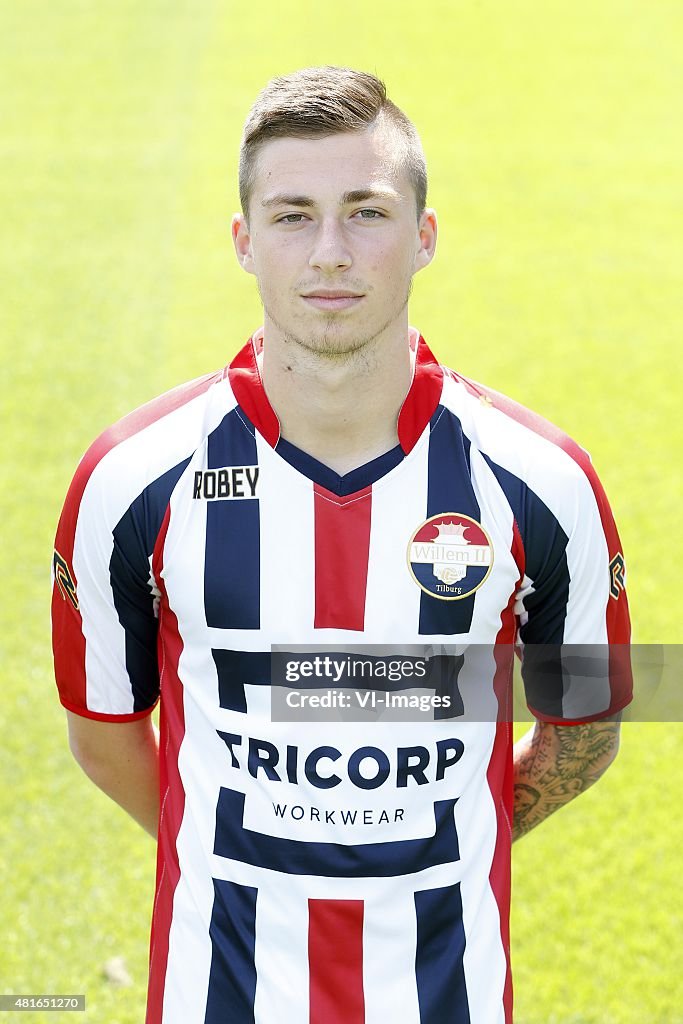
{"points": [[418, 407]]}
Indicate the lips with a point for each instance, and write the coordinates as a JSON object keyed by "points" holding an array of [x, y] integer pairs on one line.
{"points": [[332, 299], [332, 295]]}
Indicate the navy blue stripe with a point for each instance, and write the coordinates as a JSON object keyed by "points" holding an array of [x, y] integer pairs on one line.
{"points": [[232, 978], [439, 967], [545, 550], [351, 482], [293, 857], [466, 448], [235, 669], [232, 593], [444, 670], [134, 538], [449, 489]]}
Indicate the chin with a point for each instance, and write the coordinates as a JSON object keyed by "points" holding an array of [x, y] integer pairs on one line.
{"points": [[333, 347]]}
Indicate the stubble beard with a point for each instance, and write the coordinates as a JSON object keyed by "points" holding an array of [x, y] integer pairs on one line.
{"points": [[326, 344]]}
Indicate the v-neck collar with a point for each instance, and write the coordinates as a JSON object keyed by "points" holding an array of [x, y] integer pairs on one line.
{"points": [[340, 485], [418, 406]]}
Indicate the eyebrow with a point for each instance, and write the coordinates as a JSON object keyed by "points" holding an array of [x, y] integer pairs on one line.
{"points": [[358, 195]]}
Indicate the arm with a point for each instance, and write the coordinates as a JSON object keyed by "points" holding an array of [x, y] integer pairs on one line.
{"points": [[553, 764], [105, 628], [574, 631], [122, 759]]}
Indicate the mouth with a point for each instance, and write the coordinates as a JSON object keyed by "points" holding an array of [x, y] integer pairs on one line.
{"points": [[332, 300]]}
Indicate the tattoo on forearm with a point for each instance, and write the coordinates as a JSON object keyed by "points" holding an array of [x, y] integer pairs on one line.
{"points": [[553, 764]]}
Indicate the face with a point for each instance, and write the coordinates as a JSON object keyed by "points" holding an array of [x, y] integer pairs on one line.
{"points": [[333, 239]]}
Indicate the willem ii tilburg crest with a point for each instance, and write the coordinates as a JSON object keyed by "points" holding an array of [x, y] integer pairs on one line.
{"points": [[450, 556]]}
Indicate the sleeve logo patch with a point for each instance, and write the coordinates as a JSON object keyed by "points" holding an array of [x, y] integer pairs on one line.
{"points": [[64, 579], [617, 575]]}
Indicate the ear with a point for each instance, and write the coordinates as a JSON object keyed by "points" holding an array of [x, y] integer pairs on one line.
{"points": [[427, 231], [242, 242]]}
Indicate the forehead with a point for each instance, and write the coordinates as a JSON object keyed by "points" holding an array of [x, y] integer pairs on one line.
{"points": [[332, 164]]}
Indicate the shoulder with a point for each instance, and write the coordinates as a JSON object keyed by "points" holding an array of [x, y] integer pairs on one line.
{"points": [[570, 541], [536, 464], [147, 443], [178, 413], [531, 458], [514, 437]]}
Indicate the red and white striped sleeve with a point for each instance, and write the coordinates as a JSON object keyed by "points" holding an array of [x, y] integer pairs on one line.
{"points": [[104, 626], [571, 603]]}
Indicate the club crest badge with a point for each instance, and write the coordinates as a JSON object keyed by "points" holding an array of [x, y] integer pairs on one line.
{"points": [[450, 556]]}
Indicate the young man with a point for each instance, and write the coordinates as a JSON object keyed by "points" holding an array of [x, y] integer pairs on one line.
{"points": [[334, 485]]}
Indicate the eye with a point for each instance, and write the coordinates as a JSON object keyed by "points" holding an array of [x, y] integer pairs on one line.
{"points": [[370, 214], [291, 218]]}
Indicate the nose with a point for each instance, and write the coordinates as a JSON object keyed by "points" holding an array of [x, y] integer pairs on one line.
{"points": [[330, 250]]}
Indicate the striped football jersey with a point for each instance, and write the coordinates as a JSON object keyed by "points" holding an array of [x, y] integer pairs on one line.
{"points": [[336, 871]]}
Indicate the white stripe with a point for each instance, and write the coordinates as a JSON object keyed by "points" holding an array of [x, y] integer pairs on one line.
{"points": [[287, 550], [497, 519], [399, 506], [484, 960], [201, 763], [201, 758], [389, 944], [281, 955]]}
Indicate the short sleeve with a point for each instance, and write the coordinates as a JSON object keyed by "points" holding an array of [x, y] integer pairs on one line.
{"points": [[105, 598], [104, 623], [572, 607]]}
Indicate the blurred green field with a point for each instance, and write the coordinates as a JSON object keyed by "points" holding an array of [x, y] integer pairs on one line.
{"points": [[553, 138]]}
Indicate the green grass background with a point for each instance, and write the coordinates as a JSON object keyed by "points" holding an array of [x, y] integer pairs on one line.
{"points": [[553, 137]]}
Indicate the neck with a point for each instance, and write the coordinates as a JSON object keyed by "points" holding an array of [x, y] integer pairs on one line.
{"points": [[341, 410]]}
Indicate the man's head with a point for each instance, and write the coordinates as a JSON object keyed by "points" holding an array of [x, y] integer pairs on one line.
{"points": [[318, 102], [333, 191]]}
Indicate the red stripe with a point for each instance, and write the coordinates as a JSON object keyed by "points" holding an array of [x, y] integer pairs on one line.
{"points": [[68, 642], [172, 791], [499, 774], [518, 552], [100, 716], [335, 959], [342, 547], [422, 399], [500, 780], [247, 387]]}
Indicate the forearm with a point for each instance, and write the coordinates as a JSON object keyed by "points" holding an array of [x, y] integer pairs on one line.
{"points": [[553, 764], [124, 764]]}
